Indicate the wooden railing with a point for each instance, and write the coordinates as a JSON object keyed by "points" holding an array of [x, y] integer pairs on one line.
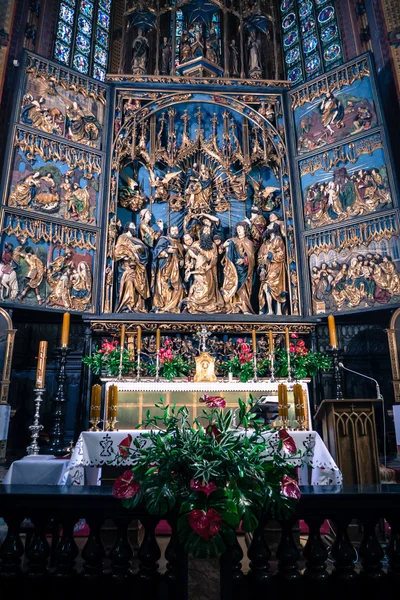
{"points": [[45, 555]]}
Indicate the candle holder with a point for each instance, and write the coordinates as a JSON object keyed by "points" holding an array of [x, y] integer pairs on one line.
{"points": [[255, 367], [158, 366], [284, 420], [300, 420], [271, 356], [36, 427], [138, 366], [110, 424], [121, 350], [337, 374], [289, 367], [57, 431], [94, 421]]}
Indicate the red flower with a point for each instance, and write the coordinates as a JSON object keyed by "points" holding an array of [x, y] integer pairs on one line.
{"points": [[239, 341], [213, 401], [124, 446], [290, 488], [288, 443], [168, 342], [294, 336], [299, 350], [207, 488], [212, 431], [125, 487], [292, 349], [301, 343], [205, 524], [245, 348], [107, 347]]}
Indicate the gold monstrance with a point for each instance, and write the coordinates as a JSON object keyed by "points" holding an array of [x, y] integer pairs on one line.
{"points": [[205, 363]]}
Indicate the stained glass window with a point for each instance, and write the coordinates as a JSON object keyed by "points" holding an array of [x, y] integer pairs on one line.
{"points": [[310, 38], [82, 39]]}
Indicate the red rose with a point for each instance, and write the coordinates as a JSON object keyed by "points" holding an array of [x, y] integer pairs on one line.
{"points": [[205, 524], [299, 350], [290, 488], [125, 487], [294, 336], [207, 488], [301, 343], [292, 349], [288, 443]]}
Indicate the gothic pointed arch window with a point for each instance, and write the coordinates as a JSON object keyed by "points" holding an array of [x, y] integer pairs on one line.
{"points": [[83, 36], [310, 38]]}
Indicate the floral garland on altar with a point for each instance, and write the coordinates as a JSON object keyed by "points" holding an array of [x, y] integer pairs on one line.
{"points": [[211, 475]]}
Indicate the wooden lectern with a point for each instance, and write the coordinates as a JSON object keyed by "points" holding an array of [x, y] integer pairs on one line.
{"points": [[349, 431]]}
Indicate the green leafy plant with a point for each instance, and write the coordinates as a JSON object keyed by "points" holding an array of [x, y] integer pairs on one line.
{"points": [[303, 362], [107, 358], [170, 365], [210, 474], [241, 364]]}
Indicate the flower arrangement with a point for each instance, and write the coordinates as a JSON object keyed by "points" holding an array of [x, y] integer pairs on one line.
{"points": [[303, 361], [241, 364], [210, 475], [107, 358], [170, 365]]}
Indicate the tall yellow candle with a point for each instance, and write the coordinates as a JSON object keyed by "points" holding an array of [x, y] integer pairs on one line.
{"points": [[41, 366], [112, 401], [271, 341], [254, 340], [122, 340], [158, 339], [332, 332], [65, 329], [95, 402], [139, 338], [298, 400], [287, 336], [283, 410]]}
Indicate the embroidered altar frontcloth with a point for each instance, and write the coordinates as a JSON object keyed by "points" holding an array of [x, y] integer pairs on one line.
{"points": [[96, 449]]}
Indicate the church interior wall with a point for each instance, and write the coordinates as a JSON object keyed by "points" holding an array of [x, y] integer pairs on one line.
{"points": [[83, 207]]}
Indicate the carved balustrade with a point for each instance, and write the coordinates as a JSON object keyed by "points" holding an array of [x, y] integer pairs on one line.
{"points": [[45, 552]]}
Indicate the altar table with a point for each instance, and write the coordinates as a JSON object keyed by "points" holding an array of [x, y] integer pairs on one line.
{"points": [[96, 449], [37, 470]]}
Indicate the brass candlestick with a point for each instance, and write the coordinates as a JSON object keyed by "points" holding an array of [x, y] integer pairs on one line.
{"points": [[255, 367], [36, 427], [289, 366], [138, 366]]}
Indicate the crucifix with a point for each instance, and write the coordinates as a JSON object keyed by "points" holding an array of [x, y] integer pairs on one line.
{"points": [[203, 335]]}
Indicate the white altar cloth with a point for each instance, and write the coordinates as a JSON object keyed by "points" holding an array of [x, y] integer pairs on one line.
{"points": [[262, 385], [96, 449], [37, 470]]}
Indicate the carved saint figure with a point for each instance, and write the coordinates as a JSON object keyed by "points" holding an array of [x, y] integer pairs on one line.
{"points": [[133, 256], [271, 263], [147, 234], [332, 112], [239, 264], [78, 203], [8, 276], [197, 46], [33, 275], [166, 53], [140, 51], [254, 55], [25, 191], [185, 51], [204, 295], [198, 191], [167, 286], [35, 114], [233, 59], [80, 126], [258, 225]]}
